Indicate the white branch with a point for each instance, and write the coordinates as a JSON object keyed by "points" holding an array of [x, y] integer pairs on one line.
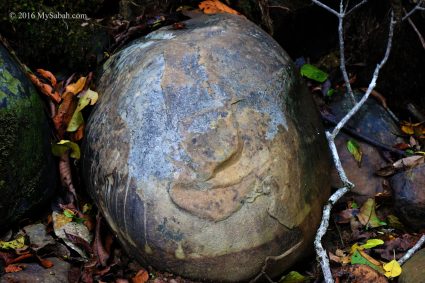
{"points": [[356, 7], [410, 252], [321, 252], [416, 8]]}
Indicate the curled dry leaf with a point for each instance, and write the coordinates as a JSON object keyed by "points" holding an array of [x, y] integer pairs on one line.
{"points": [[45, 89], [48, 75], [361, 273], [216, 7], [76, 87], [409, 162]]}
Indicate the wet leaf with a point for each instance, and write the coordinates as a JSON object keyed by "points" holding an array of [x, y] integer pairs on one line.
{"points": [[294, 277], [386, 171], [142, 276], [216, 7], [65, 112], [89, 98], [394, 222], [18, 243], [63, 146], [371, 243], [367, 215], [47, 75], [392, 269], [354, 148], [68, 213], [361, 273], [76, 87], [45, 262], [313, 73], [62, 228]]}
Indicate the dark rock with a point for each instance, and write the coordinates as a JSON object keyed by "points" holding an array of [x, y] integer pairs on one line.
{"points": [[27, 176], [409, 196], [205, 152], [38, 236], [372, 121], [414, 269], [33, 272]]}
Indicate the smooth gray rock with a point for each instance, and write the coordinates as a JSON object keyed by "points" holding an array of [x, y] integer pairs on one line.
{"points": [[205, 152], [414, 269]]}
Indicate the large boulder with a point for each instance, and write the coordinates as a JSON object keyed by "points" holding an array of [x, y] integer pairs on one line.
{"points": [[27, 176], [205, 152]]}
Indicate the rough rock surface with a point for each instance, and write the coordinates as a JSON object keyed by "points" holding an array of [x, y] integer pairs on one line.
{"points": [[205, 152], [371, 121], [409, 196], [26, 165]]}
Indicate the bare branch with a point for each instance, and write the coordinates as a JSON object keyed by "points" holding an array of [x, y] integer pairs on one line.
{"points": [[416, 30], [410, 252], [356, 7], [326, 7], [320, 251], [416, 8], [341, 51], [372, 83]]}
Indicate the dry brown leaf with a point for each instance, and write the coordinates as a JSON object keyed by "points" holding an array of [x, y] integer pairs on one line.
{"points": [[216, 7], [78, 134], [409, 162], [369, 258], [76, 87], [142, 276], [64, 115], [48, 75]]}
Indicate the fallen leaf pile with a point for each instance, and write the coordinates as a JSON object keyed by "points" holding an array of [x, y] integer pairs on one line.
{"points": [[216, 7]]}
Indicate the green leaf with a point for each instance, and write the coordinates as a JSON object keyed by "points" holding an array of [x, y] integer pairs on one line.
{"points": [[68, 213], [294, 277], [313, 73], [357, 258], [371, 243], [79, 220], [90, 97], [330, 92], [18, 243], [354, 148], [63, 146]]}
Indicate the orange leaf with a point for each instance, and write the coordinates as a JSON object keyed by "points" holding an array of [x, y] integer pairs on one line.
{"points": [[45, 89], [141, 277], [45, 263], [20, 258], [65, 111], [76, 87], [215, 7], [47, 75], [12, 268]]}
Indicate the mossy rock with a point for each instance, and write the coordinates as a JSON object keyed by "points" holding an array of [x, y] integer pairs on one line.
{"points": [[27, 176]]}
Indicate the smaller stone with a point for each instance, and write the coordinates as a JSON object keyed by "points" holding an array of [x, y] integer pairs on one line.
{"points": [[33, 272], [414, 269], [409, 196], [38, 236], [372, 121]]}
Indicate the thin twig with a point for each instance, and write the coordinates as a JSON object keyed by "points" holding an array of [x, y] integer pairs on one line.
{"points": [[372, 83], [326, 7], [416, 30], [356, 7], [412, 250], [416, 8], [321, 252]]}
